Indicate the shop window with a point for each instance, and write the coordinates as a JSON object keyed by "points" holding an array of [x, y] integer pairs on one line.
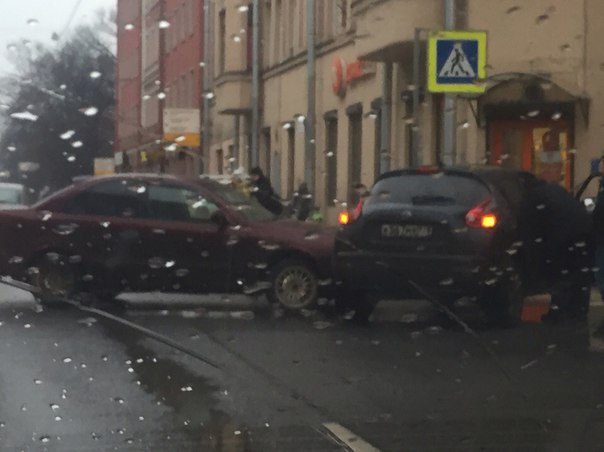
{"points": [[331, 158]]}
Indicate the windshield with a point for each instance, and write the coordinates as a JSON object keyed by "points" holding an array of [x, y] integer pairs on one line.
{"points": [[247, 205], [429, 189], [301, 225]]}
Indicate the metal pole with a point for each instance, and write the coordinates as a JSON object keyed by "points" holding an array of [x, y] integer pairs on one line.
{"points": [[205, 132], [386, 119], [309, 175], [236, 144], [255, 82], [416, 154], [449, 113]]}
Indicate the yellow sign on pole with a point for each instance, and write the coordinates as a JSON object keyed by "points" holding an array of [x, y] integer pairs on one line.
{"points": [[456, 62]]}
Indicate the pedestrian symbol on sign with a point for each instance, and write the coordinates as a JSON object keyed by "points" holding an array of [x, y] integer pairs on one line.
{"points": [[457, 65], [456, 62]]}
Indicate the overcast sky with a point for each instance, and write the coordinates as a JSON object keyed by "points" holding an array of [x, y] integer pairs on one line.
{"points": [[52, 16]]}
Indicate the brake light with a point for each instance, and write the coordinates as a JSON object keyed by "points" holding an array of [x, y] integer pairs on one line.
{"points": [[489, 221], [343, 218], [347, 217], [428, 169], [481, 216]]}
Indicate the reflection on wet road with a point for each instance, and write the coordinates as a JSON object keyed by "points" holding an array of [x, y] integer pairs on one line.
{"points": [[72, 381]]}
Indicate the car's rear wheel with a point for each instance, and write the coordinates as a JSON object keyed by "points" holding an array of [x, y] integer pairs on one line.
{"points": [[502, 303], [54, 277], [294, 284]]}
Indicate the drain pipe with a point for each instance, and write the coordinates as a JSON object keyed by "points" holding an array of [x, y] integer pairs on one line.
{"points": [[309, 173], [205, 129], [255, 83]]}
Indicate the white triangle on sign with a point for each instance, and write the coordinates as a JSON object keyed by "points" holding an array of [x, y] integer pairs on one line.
{"points": [[457, 65]]}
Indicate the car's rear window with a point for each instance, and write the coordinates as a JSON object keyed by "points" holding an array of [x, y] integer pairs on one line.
{"points": [[429, 189]]}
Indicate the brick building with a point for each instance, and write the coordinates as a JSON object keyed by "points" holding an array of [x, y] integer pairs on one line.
{"points": [[160, 48]]}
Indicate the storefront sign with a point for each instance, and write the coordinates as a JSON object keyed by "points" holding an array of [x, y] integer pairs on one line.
{"points": [[104, 166], [182, 126]]}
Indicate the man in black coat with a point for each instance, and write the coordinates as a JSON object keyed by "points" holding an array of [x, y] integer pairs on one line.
{"points": [[263, 191], [558, 230]]}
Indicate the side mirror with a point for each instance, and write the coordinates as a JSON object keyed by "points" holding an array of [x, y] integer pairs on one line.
{"points": [[219, 219], [589, 204]]}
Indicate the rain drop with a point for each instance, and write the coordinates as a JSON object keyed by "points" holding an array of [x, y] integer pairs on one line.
{"points": [[45, 439], [37, 381], [67, 360]]}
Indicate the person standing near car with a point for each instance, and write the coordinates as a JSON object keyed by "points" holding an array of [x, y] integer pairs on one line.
{"points": [[598, 218], [263, 191], [555, 227]]}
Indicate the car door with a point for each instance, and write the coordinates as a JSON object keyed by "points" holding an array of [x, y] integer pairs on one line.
{"points": [[101, 227], [191, 250]]}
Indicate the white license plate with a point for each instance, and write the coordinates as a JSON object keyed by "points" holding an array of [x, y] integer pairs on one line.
{"points": [[407, 231]]}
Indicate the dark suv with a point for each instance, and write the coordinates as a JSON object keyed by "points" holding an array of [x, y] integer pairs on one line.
{"points": [[451, 232]]}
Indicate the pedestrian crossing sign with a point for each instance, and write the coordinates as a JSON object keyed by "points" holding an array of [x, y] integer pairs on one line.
{"points": [[456, 62]]}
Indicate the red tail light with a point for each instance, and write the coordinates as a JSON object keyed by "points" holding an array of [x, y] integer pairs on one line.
{"points": [[481, 216], [344, 218], [351, 216]]}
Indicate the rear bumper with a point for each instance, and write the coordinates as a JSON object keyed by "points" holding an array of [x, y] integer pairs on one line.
{"points": [[391, 274]]}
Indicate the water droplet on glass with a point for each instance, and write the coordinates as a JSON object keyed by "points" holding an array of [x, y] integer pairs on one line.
{"points": [[25, 116], [181, 272], [446, 282], [58, 418], [130, 370], [163, 24], [45, 215], [118, 400], [90, 111], [15, 260], [311, 236], [44, 439], [23, 407], [186, 389], [37, 381], [322, 325], [170, 264], [129, 27], [67, 360]]}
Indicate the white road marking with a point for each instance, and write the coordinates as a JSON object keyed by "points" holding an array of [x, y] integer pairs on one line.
{"points": [[349, 439]]}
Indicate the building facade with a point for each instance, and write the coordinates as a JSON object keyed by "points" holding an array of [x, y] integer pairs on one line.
{"points": [[159, 89], [540, 111]]}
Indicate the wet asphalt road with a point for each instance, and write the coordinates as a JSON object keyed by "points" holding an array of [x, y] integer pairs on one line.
{"points": [[71, 381]]}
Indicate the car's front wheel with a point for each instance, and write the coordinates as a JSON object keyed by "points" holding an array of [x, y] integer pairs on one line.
{"points": [[294, 284]]}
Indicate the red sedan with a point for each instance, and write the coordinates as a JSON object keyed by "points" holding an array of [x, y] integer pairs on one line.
{"points": [[138, 233]]}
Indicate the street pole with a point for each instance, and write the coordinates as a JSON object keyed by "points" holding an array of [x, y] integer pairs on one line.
{"points": [[386, 119], [309, 173], [415, 128], [205, 132], [255, 82], [449, 143], [162, 84]]}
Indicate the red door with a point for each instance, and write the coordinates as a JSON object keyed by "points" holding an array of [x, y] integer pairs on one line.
{"points": [[542, 147]]}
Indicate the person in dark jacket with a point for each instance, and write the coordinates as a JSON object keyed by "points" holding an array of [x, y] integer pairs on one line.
{"points": [[263, 191], [302, 203], [598, 218], [557, 229]]}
